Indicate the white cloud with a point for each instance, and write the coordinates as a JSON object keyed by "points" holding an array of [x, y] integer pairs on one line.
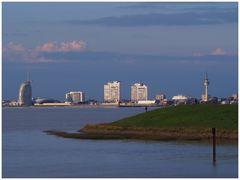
{"points": [[198, 54], [13, 47], [61, 47], [215, 52], [218, 52], [17, 52]]}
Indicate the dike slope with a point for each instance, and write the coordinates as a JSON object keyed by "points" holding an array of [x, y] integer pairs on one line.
{"points": [[185, 122]]}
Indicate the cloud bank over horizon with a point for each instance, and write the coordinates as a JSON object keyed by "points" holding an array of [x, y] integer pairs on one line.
{"points": [[50, 52], [164, 19], [74, 51]]}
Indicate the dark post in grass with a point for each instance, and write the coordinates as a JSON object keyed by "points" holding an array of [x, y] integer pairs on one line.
{"points": [[214, 144], [146, 108]]}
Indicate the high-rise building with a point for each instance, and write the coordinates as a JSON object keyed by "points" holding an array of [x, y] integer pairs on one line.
{"points": [[75, 97], [112, 92], [25, 94], [205, 96], [139, 92]]}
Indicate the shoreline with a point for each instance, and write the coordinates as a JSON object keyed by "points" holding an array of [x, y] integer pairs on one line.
{"points": [[187, 122], [84, 106], [104, 131]]}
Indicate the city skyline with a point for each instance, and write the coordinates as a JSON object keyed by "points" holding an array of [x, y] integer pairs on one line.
{"points": [[168, 46], [112, 94], [129, 96]]}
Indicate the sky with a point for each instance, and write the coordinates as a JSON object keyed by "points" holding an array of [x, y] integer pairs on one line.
{"points": [[80, 46]]}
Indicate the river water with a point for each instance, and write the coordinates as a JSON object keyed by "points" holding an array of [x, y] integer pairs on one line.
{"points": [[28, 152]]}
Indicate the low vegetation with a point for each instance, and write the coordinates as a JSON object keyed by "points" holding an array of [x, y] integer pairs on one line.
{"points": [[186, 122], [195, 116]]}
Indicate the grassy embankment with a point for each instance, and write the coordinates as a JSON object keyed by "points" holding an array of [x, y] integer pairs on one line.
{"points": [[189, 122]]}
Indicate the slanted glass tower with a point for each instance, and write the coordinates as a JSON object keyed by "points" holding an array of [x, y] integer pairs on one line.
{"points": [[25, 94]]}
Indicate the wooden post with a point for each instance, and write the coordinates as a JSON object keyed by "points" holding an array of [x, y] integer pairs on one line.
{"points": [[146, 109], [214, 144]]}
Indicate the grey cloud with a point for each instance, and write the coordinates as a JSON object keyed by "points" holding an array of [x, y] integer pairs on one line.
{"points": [[161, 19], [182, 5], [15, 34], [90, 56]]}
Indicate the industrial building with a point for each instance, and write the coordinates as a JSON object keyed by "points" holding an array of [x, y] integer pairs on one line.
{"points": [[179, 99], [75, 97]]}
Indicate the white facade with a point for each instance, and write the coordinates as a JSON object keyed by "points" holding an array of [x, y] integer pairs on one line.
{"points": [[147, 102], [235, 96], [25, 94], [139, 92], [75, 97], [179, 98], [112, 92]]}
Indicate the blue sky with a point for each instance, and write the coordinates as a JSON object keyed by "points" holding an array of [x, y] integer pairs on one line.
{"points": [[81, 46]]}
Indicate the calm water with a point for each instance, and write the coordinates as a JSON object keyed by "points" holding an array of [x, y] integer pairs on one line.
{"points": [[28, 152]]}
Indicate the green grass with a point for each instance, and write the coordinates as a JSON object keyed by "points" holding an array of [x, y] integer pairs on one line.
{"points": [[196, 116]]}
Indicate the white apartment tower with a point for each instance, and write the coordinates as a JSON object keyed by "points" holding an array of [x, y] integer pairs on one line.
{"points": [[112, 92], [139, 92]]}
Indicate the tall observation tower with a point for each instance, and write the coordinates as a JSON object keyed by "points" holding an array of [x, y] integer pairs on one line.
{"points": [[206, 84]]}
